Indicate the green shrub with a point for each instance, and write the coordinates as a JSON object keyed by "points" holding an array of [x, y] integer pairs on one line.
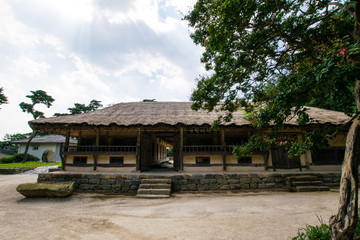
{"points": [[18, 158], [8, 159], [321, 232]]}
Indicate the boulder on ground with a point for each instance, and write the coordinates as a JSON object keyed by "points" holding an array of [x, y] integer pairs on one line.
{"points": [[46, 189]]}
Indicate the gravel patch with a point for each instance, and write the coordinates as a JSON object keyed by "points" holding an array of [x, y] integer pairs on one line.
{"points": [[226, 215]]}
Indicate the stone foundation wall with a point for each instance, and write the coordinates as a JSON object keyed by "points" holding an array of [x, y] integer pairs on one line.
{"points": [[129, 183], [13, 170]]}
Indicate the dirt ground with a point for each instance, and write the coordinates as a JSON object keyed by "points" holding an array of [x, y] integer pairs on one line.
{"points": [[226, 215]]}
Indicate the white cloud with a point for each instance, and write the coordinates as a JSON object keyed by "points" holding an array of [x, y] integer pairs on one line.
{"points": [[76, 51], [30, 67]]}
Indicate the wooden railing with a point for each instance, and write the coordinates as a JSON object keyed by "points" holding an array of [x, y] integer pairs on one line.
{"points": [[207, 148], [99, 149]]}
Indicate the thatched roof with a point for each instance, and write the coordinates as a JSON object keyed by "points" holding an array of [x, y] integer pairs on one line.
{"points": [[172, 114]]}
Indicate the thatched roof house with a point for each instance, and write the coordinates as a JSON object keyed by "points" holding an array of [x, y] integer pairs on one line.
{"points": [[172, 114], [137, 136]]}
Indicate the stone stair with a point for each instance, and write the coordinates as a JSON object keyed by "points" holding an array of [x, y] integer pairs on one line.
{"points": [[154, 188], [306, 183]]}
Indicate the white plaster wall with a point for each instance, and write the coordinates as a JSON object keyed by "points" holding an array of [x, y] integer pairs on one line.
{"points": [[55, 147]]}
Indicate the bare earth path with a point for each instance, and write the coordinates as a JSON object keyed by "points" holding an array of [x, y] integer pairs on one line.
{"points": [[262, 215]]}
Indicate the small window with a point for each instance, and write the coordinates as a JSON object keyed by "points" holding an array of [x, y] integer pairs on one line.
{"points": [[117, 161], [80, 160], [202, 161], [244, 160], [35, 147]]}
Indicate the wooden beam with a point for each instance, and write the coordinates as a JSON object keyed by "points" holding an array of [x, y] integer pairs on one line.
{"points": [[222, 138], [67, 141], [97, 142], [79, 138], [138, 150], [181, 149]]}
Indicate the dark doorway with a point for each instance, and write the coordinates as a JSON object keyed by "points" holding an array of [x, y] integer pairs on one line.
{"points": [[154, 151], [281, 160], [328, 156]]}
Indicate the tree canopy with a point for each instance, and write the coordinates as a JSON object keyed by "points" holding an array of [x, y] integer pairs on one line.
{"points": [[275, 57], [37, 97], [283, 53], [3, 98], [82, 108]]}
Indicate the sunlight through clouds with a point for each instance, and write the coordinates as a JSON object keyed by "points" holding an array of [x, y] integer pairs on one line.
{"points": [[112, 51]]}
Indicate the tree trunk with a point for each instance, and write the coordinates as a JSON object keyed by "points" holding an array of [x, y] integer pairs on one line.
{"points": [[344, 223], [28, 145]]}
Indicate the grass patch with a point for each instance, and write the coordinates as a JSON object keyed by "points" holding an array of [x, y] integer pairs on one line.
{"points": [[28, 164]]}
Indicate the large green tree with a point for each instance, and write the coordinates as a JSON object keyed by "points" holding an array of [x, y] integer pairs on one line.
{"points": [[82, 108], [275, 57], [37, 97]]}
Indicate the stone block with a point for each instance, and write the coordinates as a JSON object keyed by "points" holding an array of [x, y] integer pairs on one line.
{"points": [[214, 186], [224, 187], [233, 181], [135, 182], [94, 181], [177, 177], [218, 176], [221, 181], [268, 180], [183, 182], [188, 187], [270, 185], [209, 176], [244, 186], [253, 185], [234, 186], [203, 187], [245, 180], [255, 180], [46, 190]]}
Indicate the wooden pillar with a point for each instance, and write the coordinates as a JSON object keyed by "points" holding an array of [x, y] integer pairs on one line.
{"points": [[66, 149], [307, 162], [153, 140], [266, 160], [222, 136], [138, 150], [97, 142], [79, 138], [181, 149]]}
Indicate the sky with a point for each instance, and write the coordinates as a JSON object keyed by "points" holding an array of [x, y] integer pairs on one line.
{"points": [[109, 50]]}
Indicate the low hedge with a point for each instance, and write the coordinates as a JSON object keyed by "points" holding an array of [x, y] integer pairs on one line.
{"points": [[19, 157]]}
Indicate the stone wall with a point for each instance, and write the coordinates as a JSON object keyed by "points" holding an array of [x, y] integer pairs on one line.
{"points": [[13, 170], [129, 183]]}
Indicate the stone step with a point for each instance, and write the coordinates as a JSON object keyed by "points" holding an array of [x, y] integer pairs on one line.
{"points": [[307, 183], [155, 186], [150, 196], [154, 191], [302, 178], [312, 188], [156, 180]]}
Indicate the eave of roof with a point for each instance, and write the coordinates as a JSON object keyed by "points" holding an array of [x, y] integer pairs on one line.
{"points": [[169, 114]]}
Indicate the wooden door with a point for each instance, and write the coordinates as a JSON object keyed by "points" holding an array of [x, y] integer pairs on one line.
{"points": [[280, 159]]}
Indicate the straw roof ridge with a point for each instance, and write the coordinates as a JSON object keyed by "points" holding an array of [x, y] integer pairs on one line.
{"points": [[135, 114]]}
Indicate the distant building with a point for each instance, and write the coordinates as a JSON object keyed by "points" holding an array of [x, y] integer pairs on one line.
{"points": [[48, 144], [5, 153]]}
